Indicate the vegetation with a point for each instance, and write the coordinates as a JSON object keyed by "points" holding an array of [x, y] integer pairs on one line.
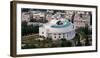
{"points": [[34, 42], [40, 20], [65, 43], [31, 39], [29, 29], [82, 36]]}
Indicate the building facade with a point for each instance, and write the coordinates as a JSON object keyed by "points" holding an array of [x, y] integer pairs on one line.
{"points": [[81, 19], [58, 29], [25, 16]]}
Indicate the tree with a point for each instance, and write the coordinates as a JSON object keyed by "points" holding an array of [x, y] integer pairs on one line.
{"points": [[24, 28], [29, 46], [66, 43], [84, 32], [79, 44], [76, 39], [25, 9], [90, 18], [87, 42], [73, 17], [29, 29]]}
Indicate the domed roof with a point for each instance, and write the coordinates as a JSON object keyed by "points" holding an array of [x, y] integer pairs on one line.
{"points": [[60, 23], [58, 26]]}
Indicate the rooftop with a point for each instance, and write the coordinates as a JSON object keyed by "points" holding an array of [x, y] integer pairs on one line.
{"points": [[61, 24]]}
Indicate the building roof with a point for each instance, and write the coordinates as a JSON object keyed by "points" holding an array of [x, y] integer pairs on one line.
{"points": [[61, 24], [54, 27]]}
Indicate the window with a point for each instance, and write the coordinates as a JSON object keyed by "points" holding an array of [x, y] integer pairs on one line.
{"points": [[55, 37], [54, 33], [59, 36], [42, 32], [63, 36], [67, 35], [73, 26]]}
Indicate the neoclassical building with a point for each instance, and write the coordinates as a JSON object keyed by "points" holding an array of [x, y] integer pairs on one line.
{"points": [[57, 29]]}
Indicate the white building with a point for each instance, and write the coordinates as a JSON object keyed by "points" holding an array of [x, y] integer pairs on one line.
{"points": [[57, 29], [37, 14], [68, 14], [25, 16], [81, 21]]}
